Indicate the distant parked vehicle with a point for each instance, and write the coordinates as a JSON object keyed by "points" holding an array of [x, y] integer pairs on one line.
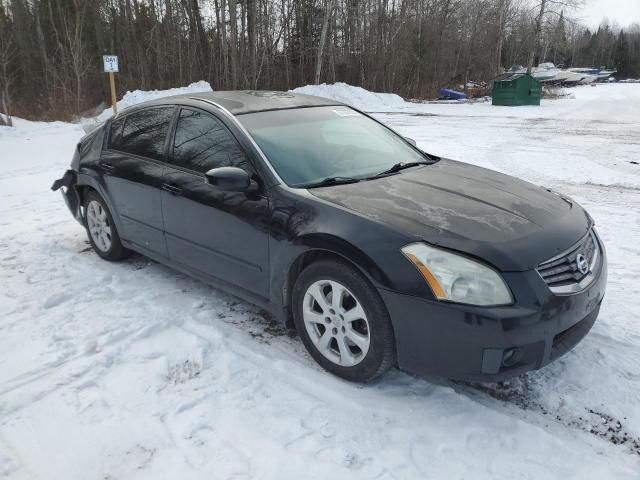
{"points": [[379, 253]]}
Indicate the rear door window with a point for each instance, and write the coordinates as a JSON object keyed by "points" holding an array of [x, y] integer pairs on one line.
{"points": [[145, 132], [202, 142]]}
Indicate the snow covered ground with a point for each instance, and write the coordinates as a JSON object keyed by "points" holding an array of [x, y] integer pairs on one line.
{"points": [[134, 371]]}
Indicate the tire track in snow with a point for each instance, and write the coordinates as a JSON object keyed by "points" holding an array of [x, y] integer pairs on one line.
{"points": [[522, 393]]}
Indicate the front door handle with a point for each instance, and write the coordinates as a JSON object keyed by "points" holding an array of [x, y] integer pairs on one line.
{"points": [[172, 189]]}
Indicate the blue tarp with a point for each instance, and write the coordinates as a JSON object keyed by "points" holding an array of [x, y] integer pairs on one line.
{"points": [[451, 94]]}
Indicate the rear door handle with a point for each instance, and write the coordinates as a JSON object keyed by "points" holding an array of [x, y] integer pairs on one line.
{"points": [[106, 167], [172, 189]]}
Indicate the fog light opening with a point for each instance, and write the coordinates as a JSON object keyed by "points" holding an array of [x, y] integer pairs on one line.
{"points": [[511, 356]]}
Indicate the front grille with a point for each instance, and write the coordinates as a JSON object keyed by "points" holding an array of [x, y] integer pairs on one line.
{"points": [[563, 271]]}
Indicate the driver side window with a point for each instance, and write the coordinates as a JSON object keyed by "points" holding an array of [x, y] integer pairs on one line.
{"points": [[202, 142]]}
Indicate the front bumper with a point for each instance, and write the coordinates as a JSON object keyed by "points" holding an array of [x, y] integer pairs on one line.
{"points": [[470, 343], [70, 193]]}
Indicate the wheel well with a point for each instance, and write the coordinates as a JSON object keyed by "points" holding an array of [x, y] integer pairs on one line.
{"points": [[82, 191], [300, 263]]}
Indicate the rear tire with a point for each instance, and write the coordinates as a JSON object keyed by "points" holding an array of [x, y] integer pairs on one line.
{"points": [[343, 322], [101, 229]]}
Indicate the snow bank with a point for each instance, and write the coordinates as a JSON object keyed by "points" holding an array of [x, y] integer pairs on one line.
{"points": [[355, 96], [138, 96]]}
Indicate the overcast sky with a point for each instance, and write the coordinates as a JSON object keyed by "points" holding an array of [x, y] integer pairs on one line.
{"points": [[622, 12]]}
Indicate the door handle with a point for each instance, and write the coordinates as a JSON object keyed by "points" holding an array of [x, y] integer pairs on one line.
{"points": [[172, 189], [107, 167]]}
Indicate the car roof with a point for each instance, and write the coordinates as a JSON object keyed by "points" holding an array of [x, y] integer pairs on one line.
{"points": [[240, 102]]}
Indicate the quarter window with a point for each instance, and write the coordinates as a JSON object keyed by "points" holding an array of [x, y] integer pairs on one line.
{"points": [[202, 142], [145, 132]]}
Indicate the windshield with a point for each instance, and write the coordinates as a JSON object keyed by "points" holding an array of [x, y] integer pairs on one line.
{"points": [[308, 145]]}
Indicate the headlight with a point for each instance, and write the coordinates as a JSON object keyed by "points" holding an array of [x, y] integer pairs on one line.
{"points": [[456, 278]]}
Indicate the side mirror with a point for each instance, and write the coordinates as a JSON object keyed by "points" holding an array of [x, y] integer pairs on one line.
{"points": [[411, 141], [230, 179]]}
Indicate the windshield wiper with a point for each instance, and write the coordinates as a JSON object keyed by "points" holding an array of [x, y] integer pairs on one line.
{"points": [[400, 166], [327, 182]]}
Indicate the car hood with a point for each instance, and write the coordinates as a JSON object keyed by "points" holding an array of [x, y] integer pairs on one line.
{"points": [[508, 222]]}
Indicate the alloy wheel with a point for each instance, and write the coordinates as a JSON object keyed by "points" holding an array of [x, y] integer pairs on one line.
{"points": [[336, 323], [99, 226]]}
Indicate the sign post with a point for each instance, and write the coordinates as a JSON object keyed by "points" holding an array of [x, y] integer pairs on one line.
{"points": [[111, 67]]}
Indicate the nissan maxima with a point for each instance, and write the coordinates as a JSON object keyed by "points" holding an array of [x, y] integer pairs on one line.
{"points": [[378, 253]]}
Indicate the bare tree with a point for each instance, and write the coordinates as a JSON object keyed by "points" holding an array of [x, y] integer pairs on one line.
{"points": [[546, 7], [251, 40], [503, 9], [233, 39], [410, 47], [7, 55], [73, 34], [323, 38]]}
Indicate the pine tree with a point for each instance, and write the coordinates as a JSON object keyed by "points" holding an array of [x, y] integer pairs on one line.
{"points": [[622, 55]]}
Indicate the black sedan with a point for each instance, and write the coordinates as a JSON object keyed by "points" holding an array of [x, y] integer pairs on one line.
{"points": [[379, 253]]}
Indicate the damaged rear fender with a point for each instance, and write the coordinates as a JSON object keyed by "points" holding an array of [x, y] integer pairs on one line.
{"points": [[68, 185]]}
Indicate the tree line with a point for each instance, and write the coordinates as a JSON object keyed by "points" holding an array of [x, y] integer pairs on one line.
{"points": [[51, 50]]}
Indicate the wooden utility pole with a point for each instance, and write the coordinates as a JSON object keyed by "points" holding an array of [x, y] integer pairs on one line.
{"points": [[112, 82]]}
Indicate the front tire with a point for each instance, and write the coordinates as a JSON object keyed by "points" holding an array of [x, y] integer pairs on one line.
{"points": [[101, 229], [343, 322]]}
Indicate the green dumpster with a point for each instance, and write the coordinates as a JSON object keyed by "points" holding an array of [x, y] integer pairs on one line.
{"points": [[513, 89]]}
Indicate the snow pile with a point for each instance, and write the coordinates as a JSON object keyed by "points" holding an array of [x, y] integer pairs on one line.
{"points": [[355, 96], [138, 96]]}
